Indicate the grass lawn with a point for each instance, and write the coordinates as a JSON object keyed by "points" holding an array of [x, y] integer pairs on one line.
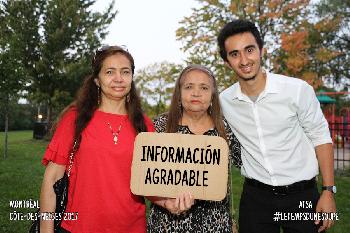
{"points": [[21, 175]]}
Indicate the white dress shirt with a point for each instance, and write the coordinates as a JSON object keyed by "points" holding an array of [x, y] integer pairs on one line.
{"points": [[278, 132]]}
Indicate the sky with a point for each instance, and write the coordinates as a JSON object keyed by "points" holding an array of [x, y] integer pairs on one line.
{"points": [[147, 28]]}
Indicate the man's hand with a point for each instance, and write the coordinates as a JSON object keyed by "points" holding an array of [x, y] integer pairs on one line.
{"points": [[325, 204]]}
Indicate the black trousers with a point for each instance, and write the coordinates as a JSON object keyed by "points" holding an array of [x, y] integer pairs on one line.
{"points": [[258, 207]]}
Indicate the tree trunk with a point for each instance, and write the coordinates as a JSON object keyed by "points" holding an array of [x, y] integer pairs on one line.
{"points": [[6, 127], [48, 113], [48, 117]]}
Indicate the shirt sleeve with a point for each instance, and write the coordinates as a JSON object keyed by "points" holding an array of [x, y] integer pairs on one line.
{"points": [[234, 146], [62, 141], [311, 116]]}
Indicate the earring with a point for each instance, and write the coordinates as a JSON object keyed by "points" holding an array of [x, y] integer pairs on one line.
{"points": [[210, 108], [98, 96], [128, 97]]}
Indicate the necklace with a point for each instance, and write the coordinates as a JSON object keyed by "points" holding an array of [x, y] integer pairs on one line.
{"points": [[116, 134]]}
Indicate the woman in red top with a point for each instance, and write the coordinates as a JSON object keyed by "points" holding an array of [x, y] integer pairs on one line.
{"points": [[106, 116]]}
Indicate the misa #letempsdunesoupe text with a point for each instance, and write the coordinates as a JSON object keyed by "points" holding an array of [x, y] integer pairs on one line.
{"points": [[208, 155]]}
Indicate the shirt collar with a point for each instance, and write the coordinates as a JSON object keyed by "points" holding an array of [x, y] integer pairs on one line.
{"points": [[271, 87], [271, 84]]}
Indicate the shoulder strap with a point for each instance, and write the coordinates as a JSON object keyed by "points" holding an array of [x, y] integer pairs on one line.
{"points": [[71, 155]]}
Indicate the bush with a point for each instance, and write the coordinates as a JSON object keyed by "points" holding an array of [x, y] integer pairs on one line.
{"points": [[21, 117]]}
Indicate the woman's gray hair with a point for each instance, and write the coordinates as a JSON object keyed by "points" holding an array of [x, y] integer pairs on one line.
{"points": [[197, 67]]}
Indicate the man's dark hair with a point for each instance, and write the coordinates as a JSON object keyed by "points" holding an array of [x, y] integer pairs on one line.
{"points": [[236, 27]]}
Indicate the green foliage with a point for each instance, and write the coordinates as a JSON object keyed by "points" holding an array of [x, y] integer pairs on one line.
{"points": [[12, 72], [155, 84], [22, 117], [71, 34], [12, 76], [56, 41], [336, 16]]}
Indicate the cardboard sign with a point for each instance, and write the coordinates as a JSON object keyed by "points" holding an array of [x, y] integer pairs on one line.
{"points": [[165, 164]]}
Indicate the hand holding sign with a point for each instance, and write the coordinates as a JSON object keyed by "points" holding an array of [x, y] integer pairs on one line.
{"points": [[178, 205], [168, 164]]}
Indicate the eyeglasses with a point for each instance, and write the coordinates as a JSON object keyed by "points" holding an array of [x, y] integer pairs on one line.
{"points": [[104, 48]]}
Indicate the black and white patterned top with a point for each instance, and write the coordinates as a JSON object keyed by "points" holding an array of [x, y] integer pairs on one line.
{"points": [[204, 216]]}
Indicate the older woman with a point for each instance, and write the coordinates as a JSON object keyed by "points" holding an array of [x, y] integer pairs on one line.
{"points": [[106, 116], [195, 109]]}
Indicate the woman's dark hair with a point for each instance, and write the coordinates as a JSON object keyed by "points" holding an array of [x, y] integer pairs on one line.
{"points": [[236, 27], [214, 111], [86, 101]]}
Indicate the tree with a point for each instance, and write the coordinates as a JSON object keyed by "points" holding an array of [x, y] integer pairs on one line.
{"points": [[335, 16], [273, 17], [291, 38], [45, 48], [308, 53], [22, 116], [156, 83], [71, 34], [58, 41], [12, 78]]}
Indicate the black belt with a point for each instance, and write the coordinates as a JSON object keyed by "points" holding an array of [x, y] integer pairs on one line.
{"points": [[283, 190]]}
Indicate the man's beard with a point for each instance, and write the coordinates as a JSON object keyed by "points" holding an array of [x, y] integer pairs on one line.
{"points": [[251, 78], [248, 79]]}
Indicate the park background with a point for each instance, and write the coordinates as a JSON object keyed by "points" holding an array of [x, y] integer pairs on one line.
{"points": [[46, 46]]}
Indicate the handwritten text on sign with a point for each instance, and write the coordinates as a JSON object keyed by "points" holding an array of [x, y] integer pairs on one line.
{"points": [[165, 164]]}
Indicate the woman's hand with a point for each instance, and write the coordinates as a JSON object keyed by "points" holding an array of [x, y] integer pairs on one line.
{"points": [[180, 204]]}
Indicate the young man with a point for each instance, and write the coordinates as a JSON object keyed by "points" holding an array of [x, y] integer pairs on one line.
{"points": [[284, 136]]}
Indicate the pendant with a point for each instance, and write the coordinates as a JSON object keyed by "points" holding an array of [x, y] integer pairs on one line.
{"points": [[115, 139]]}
